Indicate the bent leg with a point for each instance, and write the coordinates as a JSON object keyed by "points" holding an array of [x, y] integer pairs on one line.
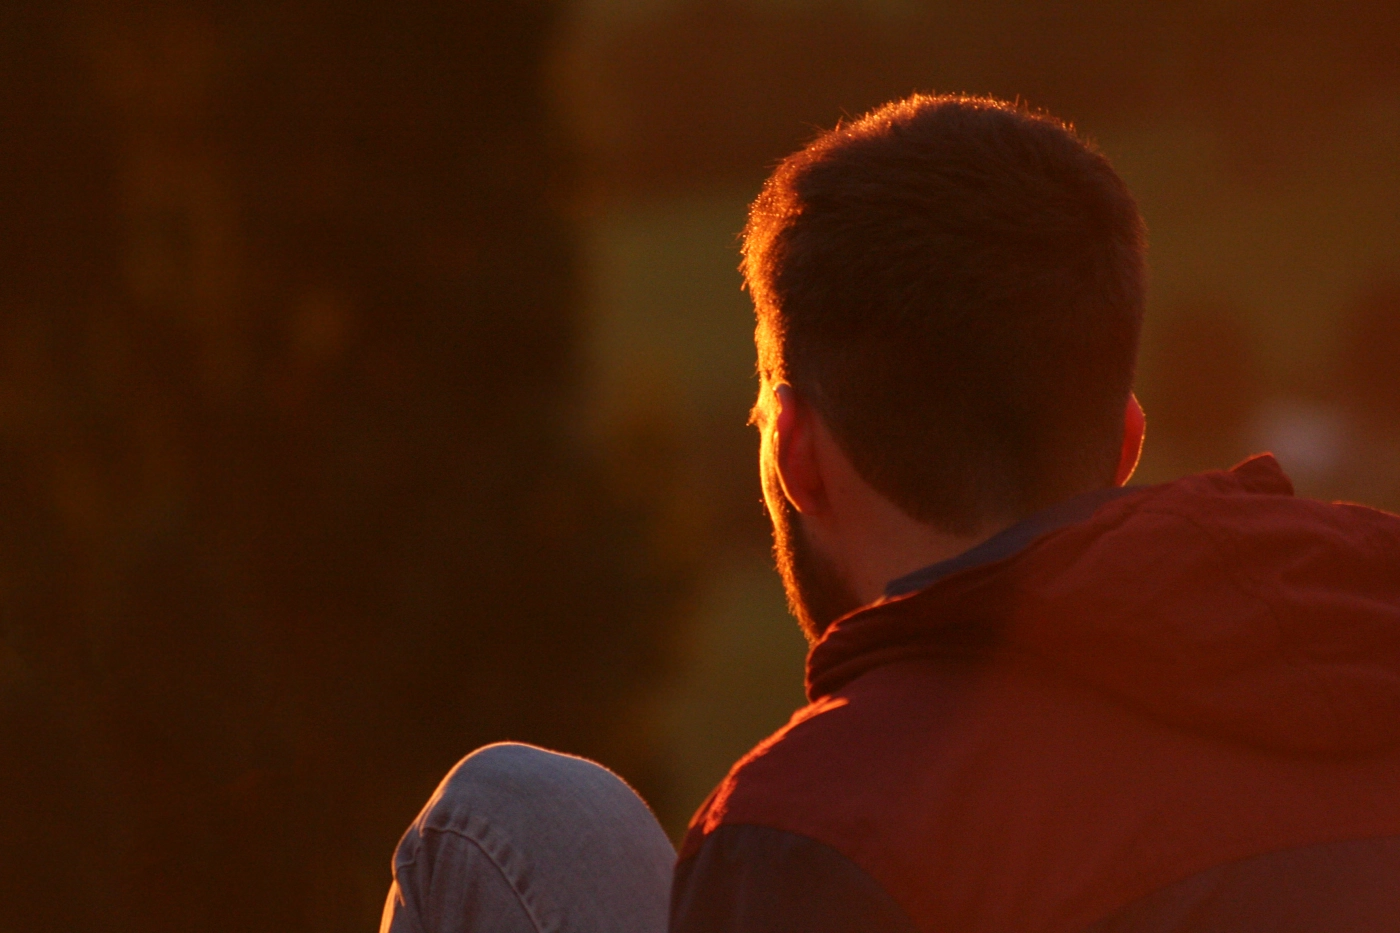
{"points": [[517, 838]]}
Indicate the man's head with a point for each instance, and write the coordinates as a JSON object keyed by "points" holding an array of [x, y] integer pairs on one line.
{"points": [[953, 287]]}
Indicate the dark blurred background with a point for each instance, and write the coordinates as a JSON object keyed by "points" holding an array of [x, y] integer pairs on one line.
{"points": [[373, 380]]}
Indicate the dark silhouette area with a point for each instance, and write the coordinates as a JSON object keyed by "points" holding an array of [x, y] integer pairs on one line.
{"points": [[290, 517]]}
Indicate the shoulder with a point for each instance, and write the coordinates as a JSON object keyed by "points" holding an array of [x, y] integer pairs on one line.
{"points": [[808, 823], [844, 760]]}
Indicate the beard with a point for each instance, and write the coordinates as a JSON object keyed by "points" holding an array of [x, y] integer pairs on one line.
{"points": [[817, 595]]}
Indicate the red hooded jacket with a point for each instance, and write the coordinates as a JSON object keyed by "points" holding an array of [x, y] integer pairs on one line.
{"points": [[1179, 713]]}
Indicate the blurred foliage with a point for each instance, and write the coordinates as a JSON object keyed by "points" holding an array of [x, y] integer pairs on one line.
{"points": [[696, 91], [292, 517]]}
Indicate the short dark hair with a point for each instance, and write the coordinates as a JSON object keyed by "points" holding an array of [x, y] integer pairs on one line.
{"points": [[956, 284]]}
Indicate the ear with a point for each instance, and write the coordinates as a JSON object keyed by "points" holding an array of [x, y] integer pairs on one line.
{"points": [[795, 453], [1134, 429]]}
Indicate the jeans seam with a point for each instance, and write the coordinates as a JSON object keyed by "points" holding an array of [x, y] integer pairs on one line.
{"points": [[514, 889]]}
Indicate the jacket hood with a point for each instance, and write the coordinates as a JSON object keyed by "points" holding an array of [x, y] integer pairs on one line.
{"points": [[1219, 603]]}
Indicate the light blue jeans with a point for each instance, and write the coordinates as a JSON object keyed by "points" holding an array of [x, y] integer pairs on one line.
{"points": [[517, 838]]}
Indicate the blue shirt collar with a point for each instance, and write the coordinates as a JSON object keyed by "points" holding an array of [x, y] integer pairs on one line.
{"points": [[1010, 540]]}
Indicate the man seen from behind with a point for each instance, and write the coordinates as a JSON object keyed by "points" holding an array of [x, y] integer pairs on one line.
{"points": [[1040, 701]]}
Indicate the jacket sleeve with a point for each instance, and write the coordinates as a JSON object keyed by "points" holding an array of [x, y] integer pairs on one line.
{"points": [[753, 879]]}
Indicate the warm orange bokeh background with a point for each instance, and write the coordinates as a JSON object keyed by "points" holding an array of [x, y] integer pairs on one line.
{"points": [[373, 381]]}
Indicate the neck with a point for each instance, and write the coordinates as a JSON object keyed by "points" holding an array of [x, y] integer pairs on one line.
{"points": [[892, 544]]}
